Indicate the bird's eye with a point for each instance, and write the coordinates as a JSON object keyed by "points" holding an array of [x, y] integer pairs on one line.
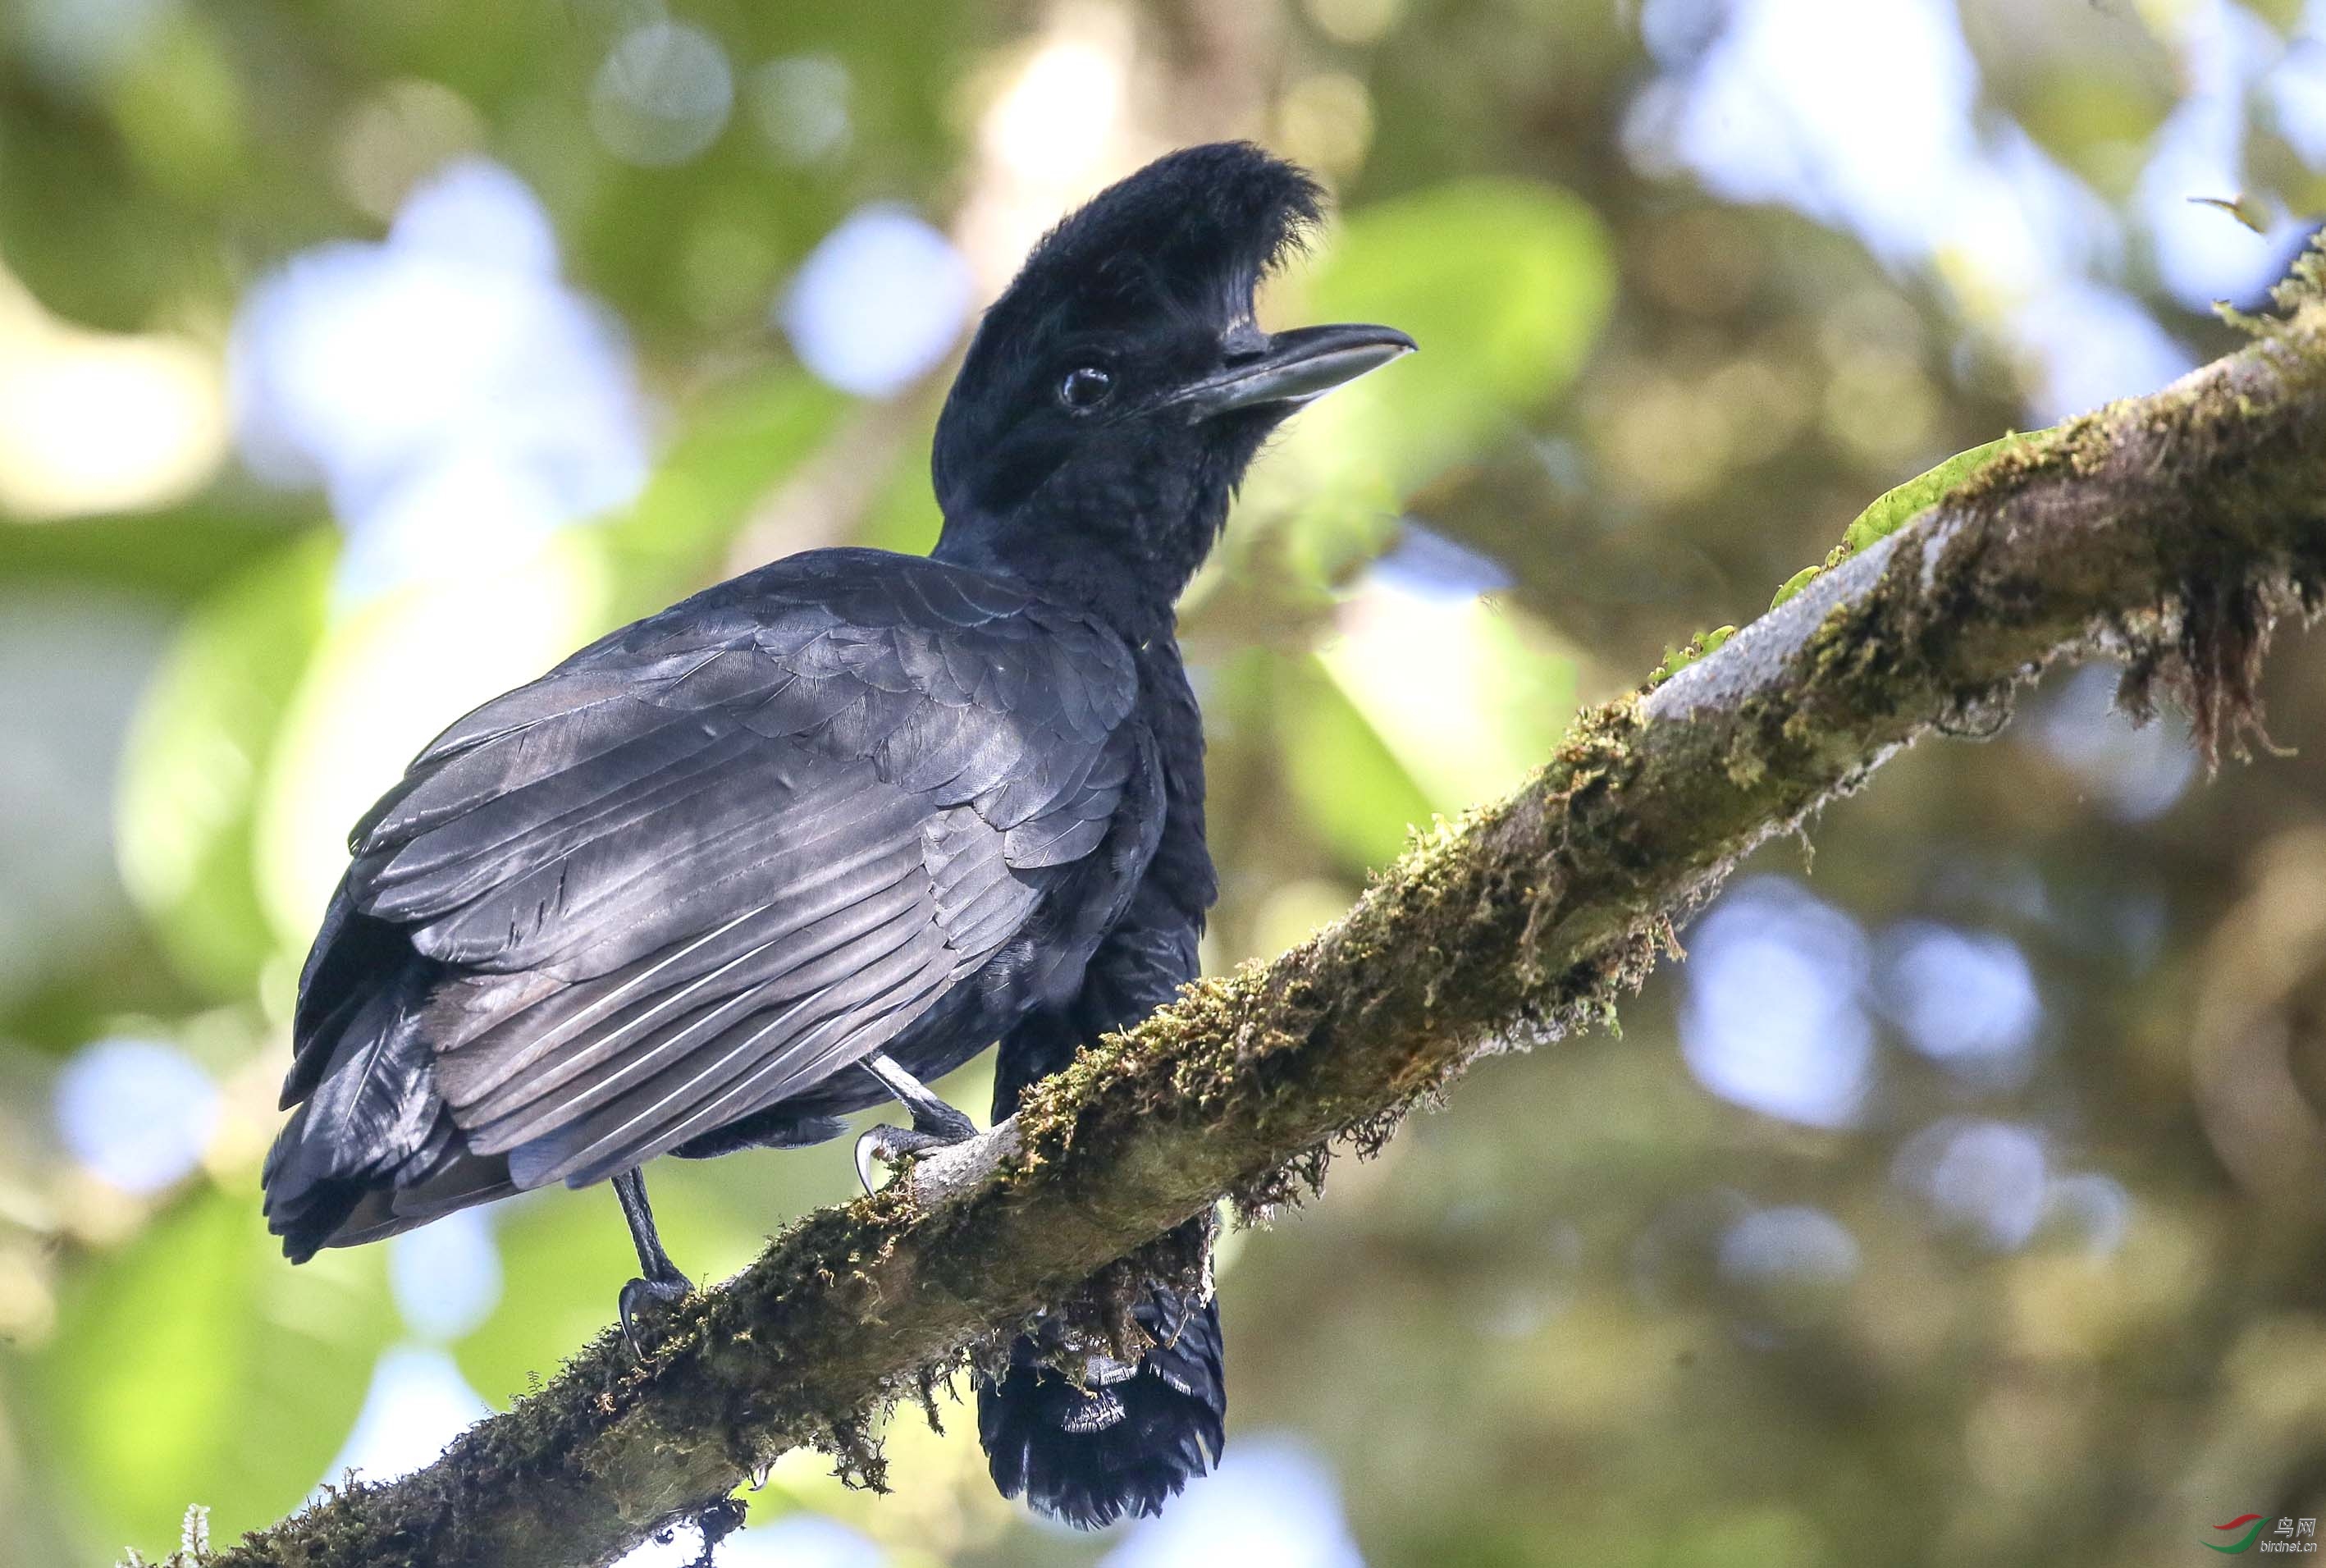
{"points": [[1084, 388]]}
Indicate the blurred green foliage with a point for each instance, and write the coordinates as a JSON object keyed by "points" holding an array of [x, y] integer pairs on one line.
{"points": [[194, 760], [1638, 407], [195, 1366]]}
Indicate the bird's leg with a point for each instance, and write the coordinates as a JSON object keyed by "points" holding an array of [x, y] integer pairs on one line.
{"points": [[934, 1123], [663, 1281]]}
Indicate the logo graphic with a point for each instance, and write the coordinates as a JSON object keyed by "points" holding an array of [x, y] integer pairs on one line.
{"points": [[2249, 1523], [2244, 1533]]}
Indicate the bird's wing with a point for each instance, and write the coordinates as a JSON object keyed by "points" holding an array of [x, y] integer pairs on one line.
{"points": [[719, 856]]}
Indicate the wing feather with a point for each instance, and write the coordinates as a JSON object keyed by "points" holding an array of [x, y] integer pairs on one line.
{"points": [[755, 1064], [643, 1038], [725, 853]]}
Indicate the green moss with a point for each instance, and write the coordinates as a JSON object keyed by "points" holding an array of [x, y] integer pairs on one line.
{"points": [[1701, 645], [1904, 504]]}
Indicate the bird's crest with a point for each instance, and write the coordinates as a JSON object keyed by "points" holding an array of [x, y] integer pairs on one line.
{"points": [[1195, 229]]}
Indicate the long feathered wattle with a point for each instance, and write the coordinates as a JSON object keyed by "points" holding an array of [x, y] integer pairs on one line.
{"points": [[1121, 1443]]}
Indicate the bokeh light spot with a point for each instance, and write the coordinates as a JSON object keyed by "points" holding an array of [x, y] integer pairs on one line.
{"points": [[878, 304], [1773, 1019], [663, 95], [2137, 771], [801, 105], [495, 404], [1272, 1500], [418, 1402], [446, 1275], [1984, 1181], [1787, 1268], [135, 1112], [1965, 999]]}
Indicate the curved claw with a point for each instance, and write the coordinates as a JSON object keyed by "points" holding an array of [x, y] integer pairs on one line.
{"points": [[889, 1144], [640, 1293], [866, 1152]]}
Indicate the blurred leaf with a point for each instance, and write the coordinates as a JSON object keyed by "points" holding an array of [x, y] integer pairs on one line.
{"points": [[1338, 532], [565, 1255], [736, 442], [388, 675], [1504, 285], [2295, 183], [1350, 786], [1469, 696], [178, 554], [199, 745], [90, 239], [195, 1365], [180, 108], [2096, 122]]}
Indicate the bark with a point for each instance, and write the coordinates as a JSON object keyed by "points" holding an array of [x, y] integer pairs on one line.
{"points": [[2165, 530]]}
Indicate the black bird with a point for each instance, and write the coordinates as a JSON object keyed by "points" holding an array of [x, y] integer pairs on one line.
{"points": [[820, 834]]}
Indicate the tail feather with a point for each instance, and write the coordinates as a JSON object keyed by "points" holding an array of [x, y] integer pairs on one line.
{"points": [[1124, 1438], [369, 1126], [456, 1181]]}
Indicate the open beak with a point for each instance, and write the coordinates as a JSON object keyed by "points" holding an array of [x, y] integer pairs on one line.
{"points": [[1294, 368]]}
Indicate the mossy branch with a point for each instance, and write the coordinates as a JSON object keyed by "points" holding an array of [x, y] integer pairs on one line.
{"points": [[2167, 531]]}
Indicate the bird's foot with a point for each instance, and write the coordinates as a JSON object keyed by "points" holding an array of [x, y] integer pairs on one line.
{"points": [[934, 1123], [641, 1294], [888, 1144]]}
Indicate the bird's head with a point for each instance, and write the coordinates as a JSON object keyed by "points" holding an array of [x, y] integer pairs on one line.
{"points": [[1116, 392]]}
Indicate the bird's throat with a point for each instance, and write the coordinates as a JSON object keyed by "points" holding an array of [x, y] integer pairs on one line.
{"points": [[1124, 562]]}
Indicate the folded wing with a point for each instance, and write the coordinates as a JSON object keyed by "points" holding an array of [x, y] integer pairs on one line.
{"points": [[728, 851]]}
